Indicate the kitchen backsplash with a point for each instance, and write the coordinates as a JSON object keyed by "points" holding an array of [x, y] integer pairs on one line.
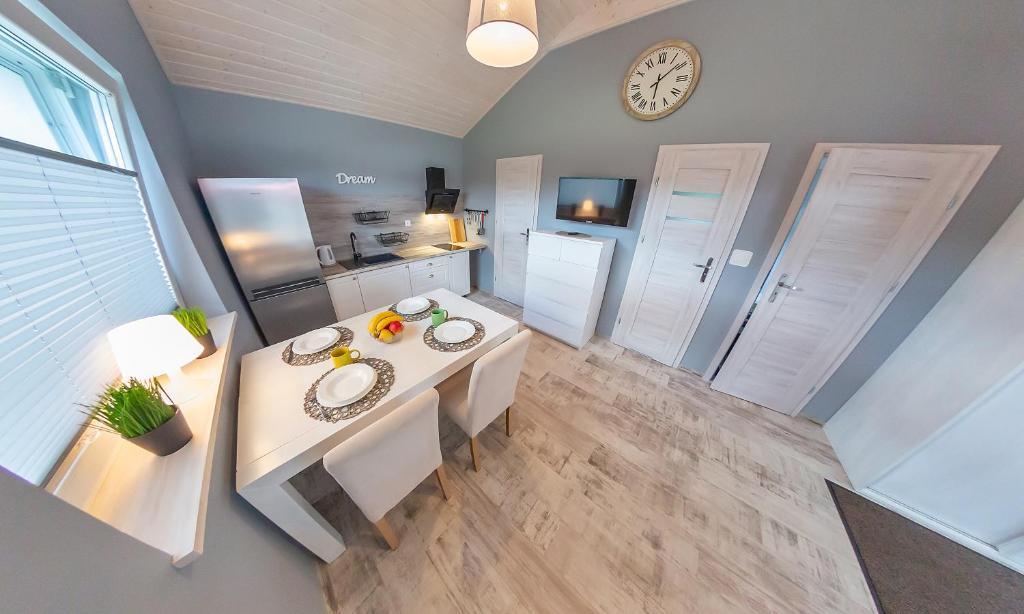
{"points": [[332, 220]]}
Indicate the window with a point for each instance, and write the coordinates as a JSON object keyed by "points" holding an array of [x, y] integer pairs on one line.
{"points": [[77, 254]]}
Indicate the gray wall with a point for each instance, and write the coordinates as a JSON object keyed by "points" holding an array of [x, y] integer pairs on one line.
{"points": [[793, 74], [54, 558], [240, 136]]}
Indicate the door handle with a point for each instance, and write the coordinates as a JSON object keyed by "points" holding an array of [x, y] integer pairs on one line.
{"points": [[782, 284], [526, 234], [706, 266]]}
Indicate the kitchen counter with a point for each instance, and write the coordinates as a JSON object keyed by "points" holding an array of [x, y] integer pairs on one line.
{"points": [[408, 254]]}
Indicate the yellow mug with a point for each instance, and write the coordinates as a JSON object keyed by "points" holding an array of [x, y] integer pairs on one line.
{"points": [[344, 356]]}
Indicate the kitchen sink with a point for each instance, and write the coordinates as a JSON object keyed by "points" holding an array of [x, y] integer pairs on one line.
{"points": [[369, 260], [380, 258]]}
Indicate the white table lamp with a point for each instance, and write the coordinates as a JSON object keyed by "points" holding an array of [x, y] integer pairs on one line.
{"points": [[155, 346]]}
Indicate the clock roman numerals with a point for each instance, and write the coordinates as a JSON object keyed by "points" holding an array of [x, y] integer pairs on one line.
{"points": [[661, 79]]}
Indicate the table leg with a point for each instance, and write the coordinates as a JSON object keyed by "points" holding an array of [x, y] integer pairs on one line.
{"points": [[290, 511]]}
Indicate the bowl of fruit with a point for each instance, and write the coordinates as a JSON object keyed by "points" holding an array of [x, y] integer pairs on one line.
{"points": [[386, 326]]}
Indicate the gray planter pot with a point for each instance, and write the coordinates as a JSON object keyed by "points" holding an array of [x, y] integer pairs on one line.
{"points": [[167, 438], [209, 347]]}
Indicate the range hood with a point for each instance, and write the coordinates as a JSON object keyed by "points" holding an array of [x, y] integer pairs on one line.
{"points": [[439, 199]]}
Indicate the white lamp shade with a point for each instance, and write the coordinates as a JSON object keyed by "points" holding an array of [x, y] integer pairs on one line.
{"points": [[502, 33], [152, 346]]}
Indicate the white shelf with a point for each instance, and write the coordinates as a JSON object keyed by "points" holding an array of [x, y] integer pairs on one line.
{"points": [[160, 501]]}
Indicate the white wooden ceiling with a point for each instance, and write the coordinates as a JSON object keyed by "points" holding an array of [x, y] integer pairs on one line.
{"points": [[402, 61]]}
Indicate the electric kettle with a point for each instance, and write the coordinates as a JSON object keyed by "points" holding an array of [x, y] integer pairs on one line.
{"points": [[325, 253]]}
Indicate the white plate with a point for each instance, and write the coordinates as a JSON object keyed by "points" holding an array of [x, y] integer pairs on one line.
{"points": [[315, 341], [410, 306], [346, 385], [454, 331]]}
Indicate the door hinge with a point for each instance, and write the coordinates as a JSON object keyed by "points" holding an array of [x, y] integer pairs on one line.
{"points": [[894, 286], [643, 238], [952, 201], [811, 391]]}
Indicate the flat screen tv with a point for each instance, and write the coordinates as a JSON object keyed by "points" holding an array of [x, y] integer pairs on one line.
{"points": [[595, 200]]}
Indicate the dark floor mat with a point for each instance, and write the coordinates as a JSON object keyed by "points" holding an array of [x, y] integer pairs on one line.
{"points": [[913, 570]]}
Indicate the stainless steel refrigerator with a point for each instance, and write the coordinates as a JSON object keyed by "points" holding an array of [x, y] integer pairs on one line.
{"points": [[263, 227]]}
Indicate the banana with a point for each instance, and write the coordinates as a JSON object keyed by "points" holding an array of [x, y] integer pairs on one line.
{"points": [[382, 324], [372, 328]]}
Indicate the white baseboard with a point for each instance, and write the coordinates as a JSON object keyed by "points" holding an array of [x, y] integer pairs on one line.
{"points": [[965, 540]]}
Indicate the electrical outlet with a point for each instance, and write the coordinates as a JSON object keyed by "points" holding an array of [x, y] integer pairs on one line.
{"points": [[740, 257], [408, 223]]}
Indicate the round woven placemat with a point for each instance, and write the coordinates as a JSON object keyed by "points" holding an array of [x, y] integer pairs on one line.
{"points": [[304, 360], [440, 346], [385, 378], [416, 317]]}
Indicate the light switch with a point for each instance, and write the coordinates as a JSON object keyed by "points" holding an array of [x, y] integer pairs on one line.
{"points": [[740, 257], [408, 223]]}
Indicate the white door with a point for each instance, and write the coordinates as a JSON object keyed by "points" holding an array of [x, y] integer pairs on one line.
{"points": [[517, 189], [385, 287], [699, 198], [936, 430], [871, 218]]}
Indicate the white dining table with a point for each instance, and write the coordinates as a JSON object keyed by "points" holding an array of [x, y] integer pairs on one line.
{"points": [[277, 440]]}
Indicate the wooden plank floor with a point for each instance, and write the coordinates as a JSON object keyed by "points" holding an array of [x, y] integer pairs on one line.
{"points": [[626, 486]]}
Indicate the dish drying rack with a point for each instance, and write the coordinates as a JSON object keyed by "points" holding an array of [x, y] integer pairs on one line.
{"points": [[372, 217], [392, 238]]}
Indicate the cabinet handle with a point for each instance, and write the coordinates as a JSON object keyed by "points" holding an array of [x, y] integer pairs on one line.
{"points": [[431, 276]]}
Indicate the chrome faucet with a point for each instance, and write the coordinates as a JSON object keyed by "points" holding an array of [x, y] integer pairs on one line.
{"points": [[356, 256]]}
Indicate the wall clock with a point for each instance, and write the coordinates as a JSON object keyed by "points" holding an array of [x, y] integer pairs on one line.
{"points": [[661, 79]]}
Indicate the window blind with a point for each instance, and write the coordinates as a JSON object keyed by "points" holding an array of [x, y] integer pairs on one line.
{"points": [[77, 258]]}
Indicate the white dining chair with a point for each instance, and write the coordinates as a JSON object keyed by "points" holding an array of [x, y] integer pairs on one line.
{"points": [[476, 395], [382, 464]]}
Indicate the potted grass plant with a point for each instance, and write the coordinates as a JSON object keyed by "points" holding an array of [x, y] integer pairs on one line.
{"points": [[136, 411], [194, 321]]}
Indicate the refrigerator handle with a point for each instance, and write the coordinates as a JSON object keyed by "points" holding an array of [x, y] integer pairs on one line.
{"points": [[285, 288]]}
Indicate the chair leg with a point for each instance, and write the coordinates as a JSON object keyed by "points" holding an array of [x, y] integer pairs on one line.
{"points": [[474, 454], [385, 530], [508, 422], [442, 481]]}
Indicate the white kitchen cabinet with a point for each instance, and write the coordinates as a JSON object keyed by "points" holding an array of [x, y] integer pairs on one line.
{"points": [[433, 278], [565, 282], [458, 273], [385, 287], [346, 296], [356, 294]]}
